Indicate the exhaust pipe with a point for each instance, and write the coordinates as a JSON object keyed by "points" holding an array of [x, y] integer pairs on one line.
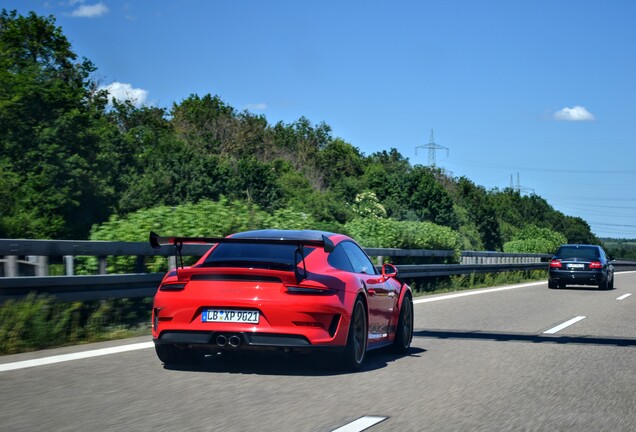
{"points": [[235, 341], [221, 340]]}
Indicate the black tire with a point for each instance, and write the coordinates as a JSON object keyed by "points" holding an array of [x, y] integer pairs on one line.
{"points": [[357, 338], [604, 285], [611, 284], [175, 355], [552, 285], [404, 329]]}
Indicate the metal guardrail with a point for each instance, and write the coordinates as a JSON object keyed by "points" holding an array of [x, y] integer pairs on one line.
{"points": [[37, 253], [433, 270], [80, 288]]}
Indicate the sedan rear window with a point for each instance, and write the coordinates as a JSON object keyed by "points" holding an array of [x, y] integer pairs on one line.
{"points": [[578, 252]]}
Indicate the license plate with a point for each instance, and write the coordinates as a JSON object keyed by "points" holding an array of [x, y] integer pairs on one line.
{"points": [[576, 266], [230, 316]]}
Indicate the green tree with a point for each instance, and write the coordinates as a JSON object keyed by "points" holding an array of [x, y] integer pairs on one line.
{"points": [[339, 160], [386, 174], [576, 230], [204, 123], [255, 181], [50, 133], [515, 211], [480, 212], [428, 199], [300, 143]]}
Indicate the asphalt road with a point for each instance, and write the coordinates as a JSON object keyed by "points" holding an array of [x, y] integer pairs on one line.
{"points": [[479, 362]]}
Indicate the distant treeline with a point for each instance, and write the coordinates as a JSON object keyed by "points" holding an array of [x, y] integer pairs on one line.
{"points": [[620, 248], [70, 160]]}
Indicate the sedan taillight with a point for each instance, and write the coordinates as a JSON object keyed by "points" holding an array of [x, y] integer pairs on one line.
{"points": [[555, 263], [596, 265]]}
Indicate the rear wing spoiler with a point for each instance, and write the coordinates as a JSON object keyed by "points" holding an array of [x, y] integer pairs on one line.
{"points": [[157, 241], [325, 242]]}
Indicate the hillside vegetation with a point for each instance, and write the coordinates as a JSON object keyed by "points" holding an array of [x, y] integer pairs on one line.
{"points": [[74, 165]]}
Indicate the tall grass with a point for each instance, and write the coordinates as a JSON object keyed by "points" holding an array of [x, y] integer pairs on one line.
{"points": [[38, 322]]}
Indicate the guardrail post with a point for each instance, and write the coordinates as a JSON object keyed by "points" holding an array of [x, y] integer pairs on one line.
{"points": [[42, 266], [102, 266], [380, 260], [69, 265], [172, 262], [140, 266], [11, 266]]}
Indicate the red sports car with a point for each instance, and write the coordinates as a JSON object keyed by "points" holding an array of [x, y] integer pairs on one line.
{"points": [[282, 289]]}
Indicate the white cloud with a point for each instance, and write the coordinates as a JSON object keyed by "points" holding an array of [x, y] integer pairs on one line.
{"points": [[577, 113], [90, 11], [123, 92], [257, 106]]}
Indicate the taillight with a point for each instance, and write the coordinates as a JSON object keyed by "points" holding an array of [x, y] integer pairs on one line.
{"points": [[172, 287], [155, 319], [307, 290], [596, 265], [555, 263]]}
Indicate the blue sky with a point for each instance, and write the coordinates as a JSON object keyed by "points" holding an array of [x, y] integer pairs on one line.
{"points": [[540, 91]]}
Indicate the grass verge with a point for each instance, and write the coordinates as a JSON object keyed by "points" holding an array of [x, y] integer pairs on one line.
{"points": [[38, 322], [447, 284]]}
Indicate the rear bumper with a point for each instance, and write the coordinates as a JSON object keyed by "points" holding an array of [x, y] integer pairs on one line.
{"points": [[588, 277], [223, 340], [294, 320]]}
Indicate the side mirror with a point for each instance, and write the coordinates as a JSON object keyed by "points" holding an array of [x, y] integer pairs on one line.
{"points": [[389, 271]]}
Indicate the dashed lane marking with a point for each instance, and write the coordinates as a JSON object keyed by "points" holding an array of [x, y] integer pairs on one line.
{"points": [[363, 423], [560, 327]]}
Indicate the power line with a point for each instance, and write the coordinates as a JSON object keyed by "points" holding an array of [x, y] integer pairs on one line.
{"points": [[543, 170]]}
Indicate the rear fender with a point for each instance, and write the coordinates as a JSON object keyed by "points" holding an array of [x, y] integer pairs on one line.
{"points": [[404, 291]]}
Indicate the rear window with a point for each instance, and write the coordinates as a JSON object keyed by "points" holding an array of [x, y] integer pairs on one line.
{"points": [[578, 252], [270, 256]]}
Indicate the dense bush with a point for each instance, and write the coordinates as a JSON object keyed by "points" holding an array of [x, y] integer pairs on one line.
{"points": [[203, 219], [532, 239], [388, 233]]}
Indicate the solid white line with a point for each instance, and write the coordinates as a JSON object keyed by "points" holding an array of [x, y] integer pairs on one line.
{"points": [[560, 327], [474, 292], [361, 424], [623, 297], [74, 356]]}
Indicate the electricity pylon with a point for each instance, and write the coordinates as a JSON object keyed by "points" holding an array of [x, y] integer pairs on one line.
{"points": [[518, 188], [431, 146]]}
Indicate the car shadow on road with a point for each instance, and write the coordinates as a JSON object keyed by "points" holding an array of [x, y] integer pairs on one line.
{"points": [[524, 337], [583, 288], [291, 364]]}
